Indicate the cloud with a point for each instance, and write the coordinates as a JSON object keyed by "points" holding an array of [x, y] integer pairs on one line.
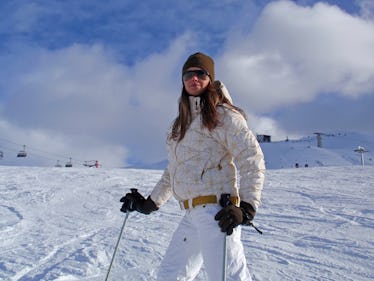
{"points": [[264, 125], [82, 93], [329, 113], [111, 94], [294, 53], [45, 147], [366, 8]]}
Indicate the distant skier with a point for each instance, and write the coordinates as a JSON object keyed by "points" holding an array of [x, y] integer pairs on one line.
{"points": [[208, 140]]}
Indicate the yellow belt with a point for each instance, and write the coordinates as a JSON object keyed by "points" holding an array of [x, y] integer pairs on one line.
{"points": [[207, 199]]}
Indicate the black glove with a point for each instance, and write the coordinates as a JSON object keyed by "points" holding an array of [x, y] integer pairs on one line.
{"points": [[134, 201], [231, 216], [248, 213]]}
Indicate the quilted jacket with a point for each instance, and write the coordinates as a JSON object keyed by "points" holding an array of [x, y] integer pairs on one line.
{"points": [[206, 162]]}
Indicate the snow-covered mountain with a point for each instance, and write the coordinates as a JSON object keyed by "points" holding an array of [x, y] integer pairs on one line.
{"points": [[337, 150], [318, 222], [59, 224]]}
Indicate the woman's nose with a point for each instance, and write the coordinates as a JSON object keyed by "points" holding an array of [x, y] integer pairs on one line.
{"points": [[195, 77]]}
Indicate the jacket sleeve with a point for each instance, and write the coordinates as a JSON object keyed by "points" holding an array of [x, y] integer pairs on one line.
{"points": [[162, 191], [247, 154]]}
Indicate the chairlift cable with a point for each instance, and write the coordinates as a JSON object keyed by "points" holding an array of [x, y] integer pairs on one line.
{"points": [[58, 156]]}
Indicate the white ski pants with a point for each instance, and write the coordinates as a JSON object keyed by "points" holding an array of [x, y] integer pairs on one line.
{"points": [[199, 241]]}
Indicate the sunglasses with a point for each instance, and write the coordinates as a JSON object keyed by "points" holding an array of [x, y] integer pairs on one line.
{"points": [[200, 73]]}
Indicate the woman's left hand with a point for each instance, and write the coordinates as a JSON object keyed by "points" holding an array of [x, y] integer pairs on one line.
{"points": [[229, 218]]}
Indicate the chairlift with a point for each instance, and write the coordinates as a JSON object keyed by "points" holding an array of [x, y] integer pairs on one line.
{"points": [[91, 163], [22, 153], [69, 164]]}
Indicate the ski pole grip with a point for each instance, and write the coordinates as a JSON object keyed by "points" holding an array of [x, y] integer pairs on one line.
{"points": [[225, 199], [134, 191]]}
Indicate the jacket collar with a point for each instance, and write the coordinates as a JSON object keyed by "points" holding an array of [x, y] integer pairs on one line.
{"points": [[194, 106]]}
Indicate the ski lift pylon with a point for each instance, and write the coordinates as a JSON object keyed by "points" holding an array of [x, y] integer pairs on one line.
{"points": [[22, 153], [69, 164]]}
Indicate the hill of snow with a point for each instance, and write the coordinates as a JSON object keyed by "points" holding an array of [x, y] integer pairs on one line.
{"points": [[337, 150], [63, 224]]}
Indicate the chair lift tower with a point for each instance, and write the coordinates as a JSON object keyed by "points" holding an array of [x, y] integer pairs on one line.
{"points": [[361, 150], [319, 139], [22, 153], [69, 164]]}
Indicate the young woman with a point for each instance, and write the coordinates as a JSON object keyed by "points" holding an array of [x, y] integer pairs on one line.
{"points": [[207, 143]]}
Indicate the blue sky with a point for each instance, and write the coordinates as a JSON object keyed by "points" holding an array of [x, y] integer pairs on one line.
{"points": [[100, 80]]}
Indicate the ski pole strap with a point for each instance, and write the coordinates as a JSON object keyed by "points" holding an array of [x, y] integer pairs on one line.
{"points": [[255, 227], [226, 200]]}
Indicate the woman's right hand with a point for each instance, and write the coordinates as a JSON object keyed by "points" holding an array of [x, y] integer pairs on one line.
{"points": [[134, 201]]}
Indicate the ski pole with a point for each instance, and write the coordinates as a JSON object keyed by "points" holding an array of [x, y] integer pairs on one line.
{"points": [[130, 207], [115, 249], [224, 258], [224, 201]]}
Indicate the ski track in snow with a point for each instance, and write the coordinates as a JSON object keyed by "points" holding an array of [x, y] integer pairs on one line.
{"points": [[62, 224]]}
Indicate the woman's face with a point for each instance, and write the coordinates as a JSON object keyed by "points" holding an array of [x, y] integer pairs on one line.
{"points": [[195, 80]]}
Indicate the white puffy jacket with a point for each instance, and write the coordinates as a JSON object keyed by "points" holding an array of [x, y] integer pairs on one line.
{"points": [[205, 162]]}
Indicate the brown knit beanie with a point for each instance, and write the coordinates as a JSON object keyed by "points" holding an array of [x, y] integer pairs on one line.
{"points": [[200, 60]]}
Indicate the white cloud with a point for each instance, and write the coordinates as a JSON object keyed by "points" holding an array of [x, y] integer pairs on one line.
{"points": [[366, 8], [82, 101], [46, 147], [262, 125], [294, 53], [95, 106]]}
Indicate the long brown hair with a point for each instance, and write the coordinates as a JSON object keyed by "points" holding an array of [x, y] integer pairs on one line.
{"points": [[209, 100]]}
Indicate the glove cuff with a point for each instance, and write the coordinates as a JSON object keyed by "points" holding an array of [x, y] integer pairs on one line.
{"points": [[148, 206]]}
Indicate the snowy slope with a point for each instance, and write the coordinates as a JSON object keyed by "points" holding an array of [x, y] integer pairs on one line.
{"points": [[62, 224], [337, 150]]}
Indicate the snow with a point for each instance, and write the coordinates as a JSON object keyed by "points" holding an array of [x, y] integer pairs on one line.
{"points": [[63, 224], [337, 150]]}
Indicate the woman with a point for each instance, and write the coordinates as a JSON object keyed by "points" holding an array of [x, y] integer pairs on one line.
{"points": [[207, 143]]}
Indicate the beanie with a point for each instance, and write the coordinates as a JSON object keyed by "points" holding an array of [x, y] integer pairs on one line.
{"points": [[200, 60]]}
